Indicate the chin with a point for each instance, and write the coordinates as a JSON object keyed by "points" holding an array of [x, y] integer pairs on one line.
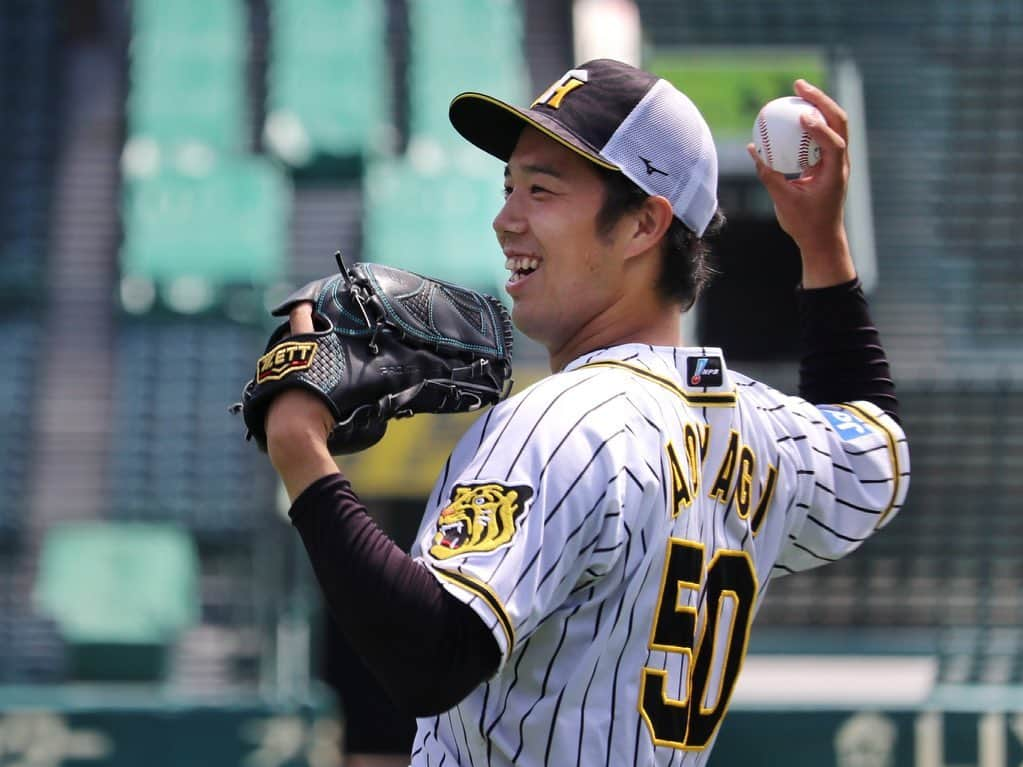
{"points": [[520, 319], [527, 324]]}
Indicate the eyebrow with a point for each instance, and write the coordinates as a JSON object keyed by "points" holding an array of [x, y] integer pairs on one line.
{"points": [[545, 170]]}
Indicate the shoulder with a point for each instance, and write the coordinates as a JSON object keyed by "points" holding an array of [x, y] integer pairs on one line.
{"points": [[601, 393], [573, 413], [561, 402]]}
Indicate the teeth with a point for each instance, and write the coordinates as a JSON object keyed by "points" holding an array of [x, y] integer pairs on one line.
{"points": [[520, 263]]}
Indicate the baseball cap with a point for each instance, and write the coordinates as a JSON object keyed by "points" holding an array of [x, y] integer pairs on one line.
{"points": [[618, 117]]}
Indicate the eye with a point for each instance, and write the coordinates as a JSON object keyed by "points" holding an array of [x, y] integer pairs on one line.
{"points": [[479, 501], [507, 191], [536, 189]]}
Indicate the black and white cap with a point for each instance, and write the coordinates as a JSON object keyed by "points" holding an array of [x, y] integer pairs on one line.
{"points": [[618, 117]]}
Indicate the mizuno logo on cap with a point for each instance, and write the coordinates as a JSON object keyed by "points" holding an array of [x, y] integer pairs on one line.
{"points": [[650, 169]]}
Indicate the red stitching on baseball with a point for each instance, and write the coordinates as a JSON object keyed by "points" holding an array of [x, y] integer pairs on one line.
{"points": [[804, 151], [765, 141]]}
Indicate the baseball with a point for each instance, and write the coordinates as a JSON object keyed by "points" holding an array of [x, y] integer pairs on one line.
{"points": [[780, 139]]}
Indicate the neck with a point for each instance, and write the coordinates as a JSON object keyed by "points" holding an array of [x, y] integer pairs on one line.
{"points": [[660, 325]]}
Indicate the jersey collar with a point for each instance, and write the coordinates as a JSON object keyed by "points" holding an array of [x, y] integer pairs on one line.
{"points": [[699, 368]]}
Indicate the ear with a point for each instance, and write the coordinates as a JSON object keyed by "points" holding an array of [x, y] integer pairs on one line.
{"points": [[649, 224]]}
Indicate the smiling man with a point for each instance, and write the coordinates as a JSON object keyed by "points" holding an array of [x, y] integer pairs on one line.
{"points": [[595, 550], [575, 285]]}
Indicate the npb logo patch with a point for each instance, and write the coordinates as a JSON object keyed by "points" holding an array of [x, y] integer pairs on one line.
{"points": [[847, 425], [704, 371]]}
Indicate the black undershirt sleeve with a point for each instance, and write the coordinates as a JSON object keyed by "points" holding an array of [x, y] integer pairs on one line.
{"points": [[427, 649], [842, 357]]}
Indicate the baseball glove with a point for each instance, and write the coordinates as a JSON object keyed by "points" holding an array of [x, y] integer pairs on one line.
{"points": [[387, 344]]}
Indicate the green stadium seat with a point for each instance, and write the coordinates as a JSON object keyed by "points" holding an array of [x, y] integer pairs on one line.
{"points": [[225, 227], [205, 24], [199, 101], [328, 84], [435, 222], [187, 73], [488, 57], [120, 594]]}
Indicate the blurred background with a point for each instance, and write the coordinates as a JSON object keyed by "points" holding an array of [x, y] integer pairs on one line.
{"points": [[171, 167]]}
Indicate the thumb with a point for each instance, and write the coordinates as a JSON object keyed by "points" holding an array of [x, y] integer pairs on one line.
{"points": [[301, 318], [772, 180]]}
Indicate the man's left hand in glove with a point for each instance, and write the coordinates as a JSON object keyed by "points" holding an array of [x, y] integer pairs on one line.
{"points": [[376, 342]]}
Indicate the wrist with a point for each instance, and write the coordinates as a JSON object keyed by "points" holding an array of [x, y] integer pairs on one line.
{"points": [[290, 442], [297, 427], [827, 262], [300, 462]]}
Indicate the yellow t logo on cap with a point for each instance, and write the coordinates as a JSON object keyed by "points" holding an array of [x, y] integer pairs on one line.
{"points": [[561, 87]]}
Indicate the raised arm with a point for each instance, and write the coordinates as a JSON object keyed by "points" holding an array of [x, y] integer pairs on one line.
{"points": [[842, 356]]}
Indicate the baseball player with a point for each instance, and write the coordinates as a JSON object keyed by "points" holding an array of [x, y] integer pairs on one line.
{"points": [[596, 547]]}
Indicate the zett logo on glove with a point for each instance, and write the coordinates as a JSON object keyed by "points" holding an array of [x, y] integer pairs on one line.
{"points": [[284, 359]]}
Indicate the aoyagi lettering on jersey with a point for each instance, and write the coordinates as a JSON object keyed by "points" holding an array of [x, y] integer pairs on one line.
{"points": [[616, 525]]}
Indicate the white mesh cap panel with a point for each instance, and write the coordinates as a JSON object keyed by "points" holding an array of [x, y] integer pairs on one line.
{"points": [[666, 148]]}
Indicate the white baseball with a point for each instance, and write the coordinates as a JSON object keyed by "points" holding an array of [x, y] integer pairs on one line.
{"points": [[780, 139]]}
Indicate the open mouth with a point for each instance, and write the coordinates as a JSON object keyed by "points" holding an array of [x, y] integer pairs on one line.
{"points": [[520, 267]]}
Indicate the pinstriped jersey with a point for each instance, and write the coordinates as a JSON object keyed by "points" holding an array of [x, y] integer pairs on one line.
{"points": [[617, 526]]}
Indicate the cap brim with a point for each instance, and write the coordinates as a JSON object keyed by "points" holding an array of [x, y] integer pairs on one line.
{"points": [[495, 126]]}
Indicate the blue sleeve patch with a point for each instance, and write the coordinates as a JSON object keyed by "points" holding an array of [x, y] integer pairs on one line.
{"points": [[847, 425]]}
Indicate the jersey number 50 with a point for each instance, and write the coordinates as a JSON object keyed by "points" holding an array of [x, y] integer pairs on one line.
{"points": [[690, 723]]}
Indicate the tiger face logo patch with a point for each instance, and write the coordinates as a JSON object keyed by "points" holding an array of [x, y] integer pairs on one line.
{"points": [[480, 518], [284, 359]]}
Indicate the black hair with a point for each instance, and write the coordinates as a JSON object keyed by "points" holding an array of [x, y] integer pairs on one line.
{"points": [[685, 258]]}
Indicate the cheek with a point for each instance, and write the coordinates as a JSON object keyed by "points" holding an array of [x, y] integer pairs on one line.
{"points": [[575, 257], [594, 263]]}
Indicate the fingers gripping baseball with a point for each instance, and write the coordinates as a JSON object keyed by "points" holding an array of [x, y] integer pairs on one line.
{"points": [[810, 208], [834, 115], [831, 135]]}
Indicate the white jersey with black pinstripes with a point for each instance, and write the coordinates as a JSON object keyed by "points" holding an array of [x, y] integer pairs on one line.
{"points": [[617, 526]]}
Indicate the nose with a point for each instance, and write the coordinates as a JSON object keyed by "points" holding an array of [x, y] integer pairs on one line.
{"points": [[510, 219]]}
